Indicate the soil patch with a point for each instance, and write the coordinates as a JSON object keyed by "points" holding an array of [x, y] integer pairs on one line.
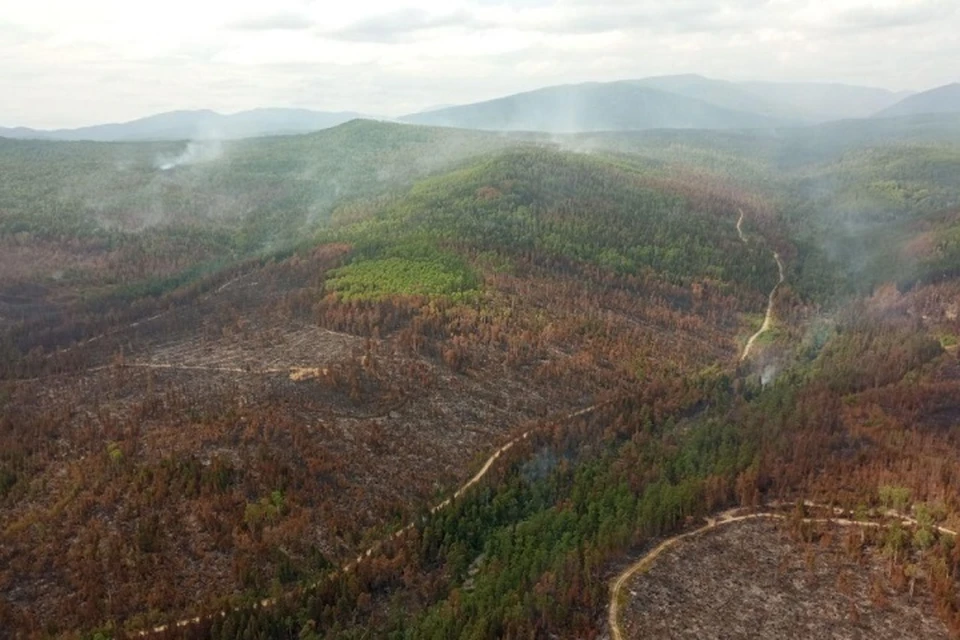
{"points": [[751, 580]]}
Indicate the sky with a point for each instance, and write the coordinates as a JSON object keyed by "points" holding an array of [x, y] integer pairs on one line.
{"points": [[65, 63]]}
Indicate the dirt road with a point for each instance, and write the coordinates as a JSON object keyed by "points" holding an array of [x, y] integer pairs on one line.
{"points": [[374, 548], [768, 316], [727, 517]]}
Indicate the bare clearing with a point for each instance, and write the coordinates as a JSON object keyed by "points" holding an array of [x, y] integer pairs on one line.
{"points": [[752, 580]]}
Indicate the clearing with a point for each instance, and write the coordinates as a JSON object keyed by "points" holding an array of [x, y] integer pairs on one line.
{"points": [[752, 579]]}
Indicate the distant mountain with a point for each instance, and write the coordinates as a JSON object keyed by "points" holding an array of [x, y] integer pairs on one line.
{"points": [[196, 125], [802, 102], [820, 102], [687, 101], [437, 107], [945, 99], [722, 93], [615, 106]]}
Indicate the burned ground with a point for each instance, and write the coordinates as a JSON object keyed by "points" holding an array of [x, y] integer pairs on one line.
{"points": [[754, 579]]}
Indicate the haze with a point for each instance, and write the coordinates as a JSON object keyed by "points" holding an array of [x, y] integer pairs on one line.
{"points": [[64, 64]]}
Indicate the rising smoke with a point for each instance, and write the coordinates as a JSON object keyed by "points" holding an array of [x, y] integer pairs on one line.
{"points": [[194, 153]]}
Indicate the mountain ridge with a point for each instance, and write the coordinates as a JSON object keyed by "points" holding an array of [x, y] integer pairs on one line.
{"points": [[664, 102], [943, 99], [196, 124], [592, 106], [682, 101]]}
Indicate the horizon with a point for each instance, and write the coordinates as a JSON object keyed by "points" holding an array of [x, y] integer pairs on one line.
{"points": [[64, 65], [436, 107]]}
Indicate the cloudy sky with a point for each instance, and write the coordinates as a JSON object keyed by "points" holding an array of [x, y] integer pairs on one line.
{"points": [[67, 63]]}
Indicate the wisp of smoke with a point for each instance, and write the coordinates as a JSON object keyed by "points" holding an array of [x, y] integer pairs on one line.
{"points": [[769, 374], [195, 152]]}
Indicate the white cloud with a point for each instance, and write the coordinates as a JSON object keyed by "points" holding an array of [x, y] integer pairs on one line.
{"points": [[281, 21], [64, 63]]}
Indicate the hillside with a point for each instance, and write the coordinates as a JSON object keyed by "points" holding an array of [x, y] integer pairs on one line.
{"points": [[106, 221], [263, 399], [819, 102], [534, 548], [195, 125], [729, 95], [400, 381], [263, 193], [665, 102], [620, 106], [945, 99]]}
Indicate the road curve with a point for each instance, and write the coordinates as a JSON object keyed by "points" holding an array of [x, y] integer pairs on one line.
{"points": [[374, 548], [727, 517], [768, 316], [484, 469]]}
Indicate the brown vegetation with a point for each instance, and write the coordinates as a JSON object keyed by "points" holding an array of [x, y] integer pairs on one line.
{"points": [[250, 430]]}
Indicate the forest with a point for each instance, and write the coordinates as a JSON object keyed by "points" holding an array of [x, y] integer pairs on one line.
{"points": [[223, 382]]}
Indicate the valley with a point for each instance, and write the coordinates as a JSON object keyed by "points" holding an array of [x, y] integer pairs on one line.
{"points": [[768, 314], [280, 393]]}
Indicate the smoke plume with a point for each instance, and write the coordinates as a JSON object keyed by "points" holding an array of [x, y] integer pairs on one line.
{"points": [[195, 152]]}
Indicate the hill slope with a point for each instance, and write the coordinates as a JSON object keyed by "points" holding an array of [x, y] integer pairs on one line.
{"points": [[525, 284], [687, 101], [102, 218], [196, 125], [945, 99], [593, 107], [729, 95], [51, 186], [569, 322], [825, 101], [795, 102]]}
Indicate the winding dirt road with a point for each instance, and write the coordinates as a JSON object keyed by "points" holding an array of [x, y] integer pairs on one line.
{"points": [[485, 468], [768, 316], [374, 548], [729, 517]]}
